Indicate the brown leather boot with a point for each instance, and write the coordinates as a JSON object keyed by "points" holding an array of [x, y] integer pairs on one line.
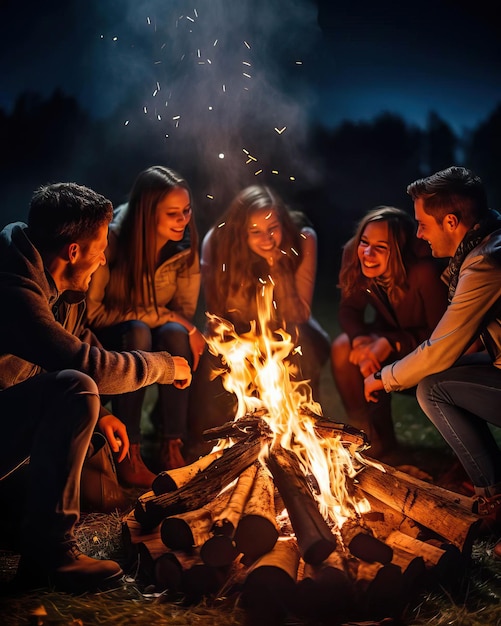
{"points": [[67, 569], [170, 454], [132, 472], [99, 488]]}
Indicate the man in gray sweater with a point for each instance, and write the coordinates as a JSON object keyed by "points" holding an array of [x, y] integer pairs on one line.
{"points": [[52, 374]]}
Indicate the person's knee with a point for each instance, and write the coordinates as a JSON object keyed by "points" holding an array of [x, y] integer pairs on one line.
{"points": [[173, 338], [424, 391], [137, 336], [76, 382], [340, 350], [77, 396]]}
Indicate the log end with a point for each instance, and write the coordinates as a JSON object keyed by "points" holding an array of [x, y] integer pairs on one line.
{"points": [[219, 551], [318, 551], [255, 535]]}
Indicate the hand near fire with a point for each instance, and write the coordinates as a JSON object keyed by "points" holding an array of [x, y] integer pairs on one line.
{"points": [[369, 352], [371, 387], [182, 372], [116, 434]]}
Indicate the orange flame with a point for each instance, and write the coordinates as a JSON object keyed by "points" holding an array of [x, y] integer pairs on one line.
{"points": [[261, 377]]}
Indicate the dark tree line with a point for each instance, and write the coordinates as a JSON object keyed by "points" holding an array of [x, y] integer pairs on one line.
{"points": [[339, 172]]}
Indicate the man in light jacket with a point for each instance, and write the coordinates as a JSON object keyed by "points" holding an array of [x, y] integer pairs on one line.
{"points": [[459, 392]]}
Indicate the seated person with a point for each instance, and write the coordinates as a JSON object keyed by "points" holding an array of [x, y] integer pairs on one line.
{"points": [[381, 275]]}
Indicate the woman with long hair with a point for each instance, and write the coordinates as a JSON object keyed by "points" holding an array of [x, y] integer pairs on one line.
{"points": [[392, 297], [145, 297], [259, 240]]}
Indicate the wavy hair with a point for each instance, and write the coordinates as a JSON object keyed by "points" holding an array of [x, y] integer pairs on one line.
{"points": [[132, 273], [234, 265], [401, 235]]}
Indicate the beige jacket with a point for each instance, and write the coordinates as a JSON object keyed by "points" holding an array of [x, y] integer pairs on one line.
{"points": [[474, 311], [177, 288]]}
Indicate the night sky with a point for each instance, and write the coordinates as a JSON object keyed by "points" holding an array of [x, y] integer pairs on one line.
{"points": [[306, 59]]}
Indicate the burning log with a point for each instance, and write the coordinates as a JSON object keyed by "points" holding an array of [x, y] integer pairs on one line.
{"points": [[171, 480], [383, 519], [447, 513], [362, 543], [257, 530], [150, 510], [268, 589], [380, 588], [324, 590], [220, 549], [314, 537], [176, 571], [347, 435], [443, 565], [192, 528]]}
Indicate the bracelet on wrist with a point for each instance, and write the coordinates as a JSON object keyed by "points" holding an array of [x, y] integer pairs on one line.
{"points": [[192, 331]]}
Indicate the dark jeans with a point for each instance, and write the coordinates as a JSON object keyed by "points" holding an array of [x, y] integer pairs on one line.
{"points": [[173, 402], [49, 418], [374, 418], [461, 402]]}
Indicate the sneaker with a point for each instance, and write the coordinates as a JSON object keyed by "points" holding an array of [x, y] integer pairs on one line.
{"points": [[68, 570]]}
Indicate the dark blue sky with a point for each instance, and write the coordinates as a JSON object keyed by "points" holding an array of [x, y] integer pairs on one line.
{"points": [[313, 58]]}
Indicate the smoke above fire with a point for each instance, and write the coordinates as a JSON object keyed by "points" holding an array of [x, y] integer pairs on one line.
{"points": [[220, 81]]}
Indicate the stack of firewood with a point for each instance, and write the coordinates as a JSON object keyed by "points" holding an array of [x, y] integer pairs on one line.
{"points": [[217, 527]]}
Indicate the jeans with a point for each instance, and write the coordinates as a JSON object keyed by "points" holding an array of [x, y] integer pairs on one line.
{"points": [[461, 402], [49, 418], [173, 402]]}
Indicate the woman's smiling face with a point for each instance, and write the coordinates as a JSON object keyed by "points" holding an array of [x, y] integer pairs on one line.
{"points": [[264, 232], [374, 249]]}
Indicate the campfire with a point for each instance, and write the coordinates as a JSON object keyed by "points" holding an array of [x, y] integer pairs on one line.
{"points": [[287, 511]]}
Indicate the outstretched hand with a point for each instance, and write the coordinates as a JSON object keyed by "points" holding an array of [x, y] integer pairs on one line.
{"points": [[371, 387], [182, 372]]}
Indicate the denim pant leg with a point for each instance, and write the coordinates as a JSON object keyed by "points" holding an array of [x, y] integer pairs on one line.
{"points": [[51, 418], [129, 335], [173, 402], [460, 402]]}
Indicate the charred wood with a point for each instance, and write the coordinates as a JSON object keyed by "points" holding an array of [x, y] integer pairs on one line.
{"points": [[314, 536], [150, 510], [447, 513]]}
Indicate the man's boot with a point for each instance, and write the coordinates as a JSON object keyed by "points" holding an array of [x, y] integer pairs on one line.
{"points": [[67, 569], [132, 472], [170, 454]]}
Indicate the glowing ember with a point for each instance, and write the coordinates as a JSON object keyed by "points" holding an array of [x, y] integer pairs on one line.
{"points": [[263, 380]]}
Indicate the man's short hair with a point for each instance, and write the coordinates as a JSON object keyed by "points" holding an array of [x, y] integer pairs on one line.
{"points": [[455, 190], [63, 213]]}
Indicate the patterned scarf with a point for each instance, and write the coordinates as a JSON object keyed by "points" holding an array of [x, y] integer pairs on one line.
{"points": [[472, 238]]}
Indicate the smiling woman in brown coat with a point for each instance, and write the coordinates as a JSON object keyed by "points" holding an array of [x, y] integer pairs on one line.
{"points": [[392, 297]]}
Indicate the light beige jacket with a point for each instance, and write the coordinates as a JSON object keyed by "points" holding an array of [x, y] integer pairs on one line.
{"points": [[475, 310], [177, 287]]}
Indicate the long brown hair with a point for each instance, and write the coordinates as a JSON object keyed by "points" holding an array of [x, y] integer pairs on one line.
{"points": [[234, 265], [132, 273], [401, 229]]}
